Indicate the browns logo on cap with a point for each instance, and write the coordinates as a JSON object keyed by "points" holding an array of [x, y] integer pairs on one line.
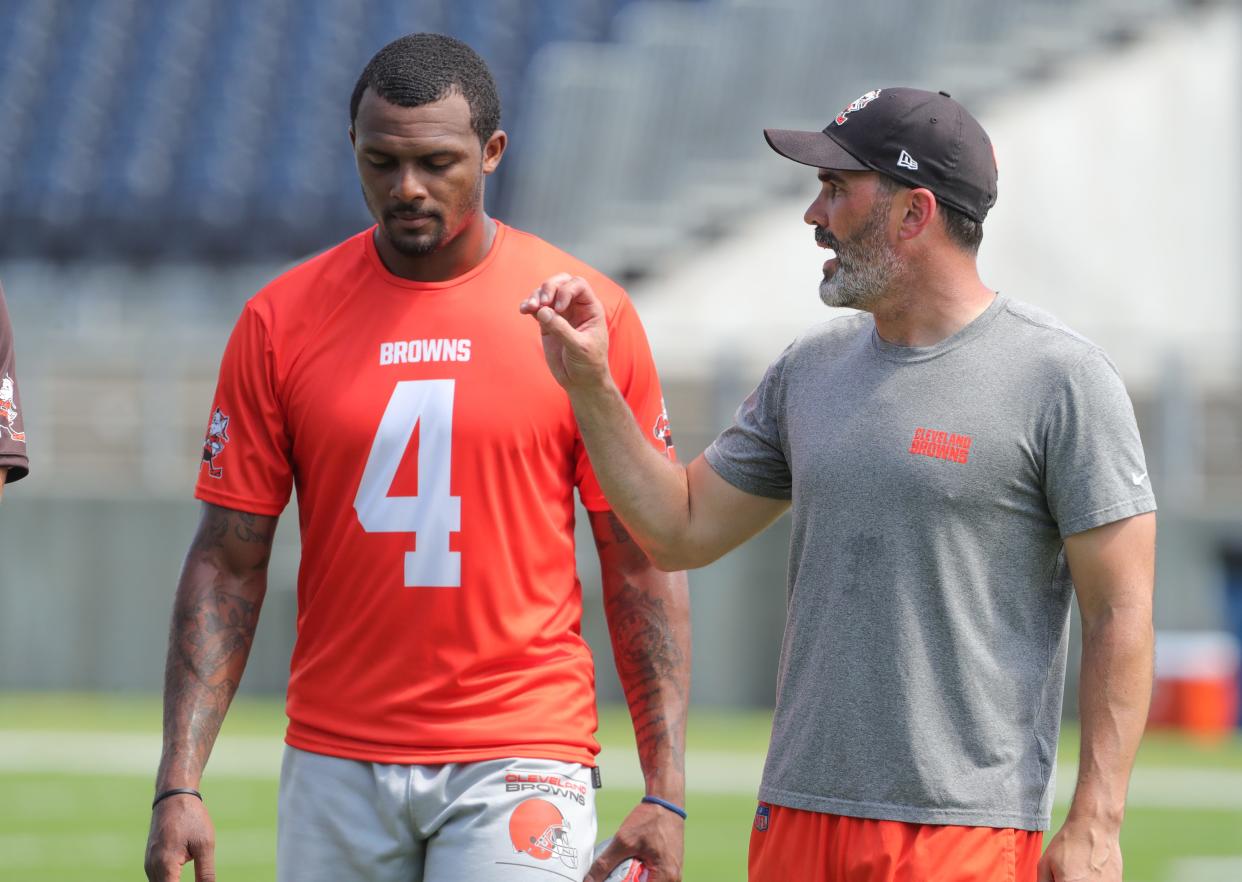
{"points": [[922, 139]]}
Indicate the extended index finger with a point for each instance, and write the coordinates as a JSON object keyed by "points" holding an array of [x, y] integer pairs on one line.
{"points": [[205, 863]]}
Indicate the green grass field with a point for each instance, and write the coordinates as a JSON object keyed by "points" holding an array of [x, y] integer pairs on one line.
{"points": [[75, 786]]}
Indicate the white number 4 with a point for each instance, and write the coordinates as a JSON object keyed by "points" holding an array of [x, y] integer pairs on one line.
{"points": [[433, 513]]}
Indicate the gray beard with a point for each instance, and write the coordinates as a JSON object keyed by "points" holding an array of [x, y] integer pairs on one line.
{"points": [[867, 265], [866, 272]]}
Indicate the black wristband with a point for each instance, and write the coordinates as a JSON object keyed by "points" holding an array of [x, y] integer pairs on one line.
{"points": [[176, 791]]}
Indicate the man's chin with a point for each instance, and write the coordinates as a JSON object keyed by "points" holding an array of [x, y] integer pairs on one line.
{"points": [[418, 245], [833, 295]]}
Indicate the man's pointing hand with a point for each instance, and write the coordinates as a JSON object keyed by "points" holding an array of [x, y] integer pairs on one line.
{"points": [[575, 330]]}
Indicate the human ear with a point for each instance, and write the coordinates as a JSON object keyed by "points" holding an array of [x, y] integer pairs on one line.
{"points": [[920, 207], [493, 150]]}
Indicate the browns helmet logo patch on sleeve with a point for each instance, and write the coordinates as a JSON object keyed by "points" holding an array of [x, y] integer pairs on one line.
{"points": [[217, 437], [8, 411], [663, 430]]}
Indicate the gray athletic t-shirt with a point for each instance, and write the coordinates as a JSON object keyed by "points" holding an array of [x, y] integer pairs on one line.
{"points": [[923, 662]]}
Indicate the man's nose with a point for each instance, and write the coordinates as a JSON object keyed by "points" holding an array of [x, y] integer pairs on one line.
{"points": [[815, 214], [409, 185]]}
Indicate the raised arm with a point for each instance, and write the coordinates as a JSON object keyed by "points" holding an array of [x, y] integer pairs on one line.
{"points": [[215, 613], [649, 622], [682, 517], [1114, 575]]}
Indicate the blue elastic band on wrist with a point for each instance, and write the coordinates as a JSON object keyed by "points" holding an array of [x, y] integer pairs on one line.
{"points": [[664, 803]]}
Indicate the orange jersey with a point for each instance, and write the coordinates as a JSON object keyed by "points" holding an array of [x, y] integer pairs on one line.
{"points": [[435, 459], [12, 433]]}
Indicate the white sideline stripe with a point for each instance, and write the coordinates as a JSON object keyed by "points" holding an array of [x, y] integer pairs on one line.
{"points": [[1175, 788], [1205, 869], [128, 754], [708, 771], [65, 851]]}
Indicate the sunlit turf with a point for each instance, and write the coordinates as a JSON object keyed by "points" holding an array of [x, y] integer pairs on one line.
{"points": [[74, 826]]}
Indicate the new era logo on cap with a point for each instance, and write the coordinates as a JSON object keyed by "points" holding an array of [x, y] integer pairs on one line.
{"points": [[905, 160]]}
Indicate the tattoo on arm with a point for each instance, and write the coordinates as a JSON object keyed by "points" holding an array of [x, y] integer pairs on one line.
{"points": [[213, 625], [247, 529], [620, 535], [230, 535], [650, 663], [648, 618]]}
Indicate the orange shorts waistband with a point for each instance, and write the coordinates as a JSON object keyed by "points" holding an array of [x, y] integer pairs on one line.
{"points": [[792, 845]]}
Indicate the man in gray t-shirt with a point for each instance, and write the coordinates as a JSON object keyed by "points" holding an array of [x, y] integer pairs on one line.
{"points": [[950, 457]]}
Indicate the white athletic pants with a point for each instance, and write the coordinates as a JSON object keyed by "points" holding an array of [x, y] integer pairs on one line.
{"points": [[510, 820]]}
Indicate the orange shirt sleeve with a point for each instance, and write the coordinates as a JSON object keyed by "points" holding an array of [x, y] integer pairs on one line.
{"points": [[12, 424], [247, 456], [633, 370]]}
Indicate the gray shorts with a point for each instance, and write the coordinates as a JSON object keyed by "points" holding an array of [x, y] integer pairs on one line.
{"points": [[510, 820]]}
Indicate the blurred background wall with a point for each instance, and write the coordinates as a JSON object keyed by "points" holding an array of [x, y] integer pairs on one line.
{"points": [[160, 161]]}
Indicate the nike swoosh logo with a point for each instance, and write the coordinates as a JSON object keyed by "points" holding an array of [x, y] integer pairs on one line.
{"points": [[1138, 479]]}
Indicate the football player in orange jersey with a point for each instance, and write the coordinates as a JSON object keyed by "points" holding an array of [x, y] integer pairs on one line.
{"points": [[14, 463], [441, 699]]}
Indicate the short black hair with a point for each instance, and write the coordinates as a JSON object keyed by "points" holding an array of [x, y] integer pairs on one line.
{"points": [[420, 69], [965, 232]]}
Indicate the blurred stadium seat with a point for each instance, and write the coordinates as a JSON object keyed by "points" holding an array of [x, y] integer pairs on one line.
{"points": [[215, 129]]}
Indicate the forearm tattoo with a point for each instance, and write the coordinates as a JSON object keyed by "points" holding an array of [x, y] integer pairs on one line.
{"points": [[650, 639], [213, 625], [221, 531]]}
